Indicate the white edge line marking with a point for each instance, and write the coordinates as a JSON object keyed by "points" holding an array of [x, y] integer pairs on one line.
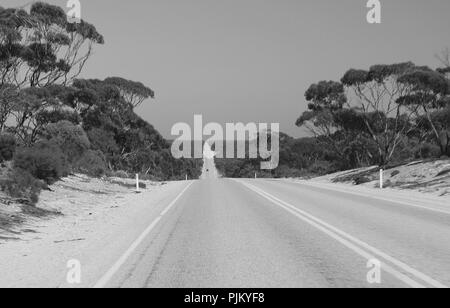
{"points": [[340, 237], [116, 267], [369, 196]]}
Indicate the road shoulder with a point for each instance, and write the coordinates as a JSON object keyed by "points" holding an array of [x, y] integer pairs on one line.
{"points": [[92, 233], [409, 198]]}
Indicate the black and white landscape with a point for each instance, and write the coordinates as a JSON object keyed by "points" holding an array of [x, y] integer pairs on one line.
{"points": [[224, 144]]}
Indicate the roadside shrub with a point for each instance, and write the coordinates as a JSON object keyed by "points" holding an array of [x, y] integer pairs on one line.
{"points": [[71, 138], [322, 167], [427, 150], [21, 184], [128, 184], [103, 140], [386, 184], [361, 180], [92, 163], [286, 172], [120, 174], [7, 147], [45, 161], [394, 173], [149, 177]]}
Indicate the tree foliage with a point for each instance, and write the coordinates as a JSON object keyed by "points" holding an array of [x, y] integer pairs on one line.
{"points": [[430, 98], [134, 93], [380, 115], [52, 122], [40, 47]]}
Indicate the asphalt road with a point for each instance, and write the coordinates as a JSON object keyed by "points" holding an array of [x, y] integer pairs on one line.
{"points": [[263, 233]]}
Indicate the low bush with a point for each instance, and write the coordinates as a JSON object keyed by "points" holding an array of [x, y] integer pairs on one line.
{"points": [[427, 150], [394, 173], [322, 167], [147, 177], [128, 185], [71, 139], [103, 140], [7, 147], [286, 172], [21, 184], [362, 180], [44, 161], [120, 174], [92, 163], [386, 184]]}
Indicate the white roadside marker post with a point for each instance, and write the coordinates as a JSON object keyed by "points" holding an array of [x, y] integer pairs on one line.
{"points": [[186, 177], [381, 178], [137, 183]]}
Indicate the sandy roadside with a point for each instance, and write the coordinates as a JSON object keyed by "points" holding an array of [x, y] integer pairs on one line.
{"points": [[99, 220], [390, 194], [426, 178], [413, 198], [422, 183]]}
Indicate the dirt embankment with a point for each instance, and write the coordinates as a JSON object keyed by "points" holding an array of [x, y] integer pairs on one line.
{"points": [[88, 220], [75, 196], [424, 176]]}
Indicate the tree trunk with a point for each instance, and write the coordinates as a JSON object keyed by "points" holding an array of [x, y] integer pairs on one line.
{"points": [[435, 132]]}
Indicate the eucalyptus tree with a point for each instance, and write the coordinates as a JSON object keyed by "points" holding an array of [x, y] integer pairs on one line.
{"points": [[133, 92], [429, 96], [374, 94], [326, 99], [39, 50], [40, 47]]}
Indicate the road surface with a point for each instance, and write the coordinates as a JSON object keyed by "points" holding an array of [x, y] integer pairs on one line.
{"points": [[265, 233]]}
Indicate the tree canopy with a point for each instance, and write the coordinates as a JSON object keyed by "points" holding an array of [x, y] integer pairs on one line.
{"points": [[134, 93], [84, 123]]}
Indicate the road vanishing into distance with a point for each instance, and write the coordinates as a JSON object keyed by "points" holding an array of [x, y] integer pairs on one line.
{"points": [[267, 233]]}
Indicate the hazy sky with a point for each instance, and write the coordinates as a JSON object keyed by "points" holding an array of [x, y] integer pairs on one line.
{"points": [[251, 60]]}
